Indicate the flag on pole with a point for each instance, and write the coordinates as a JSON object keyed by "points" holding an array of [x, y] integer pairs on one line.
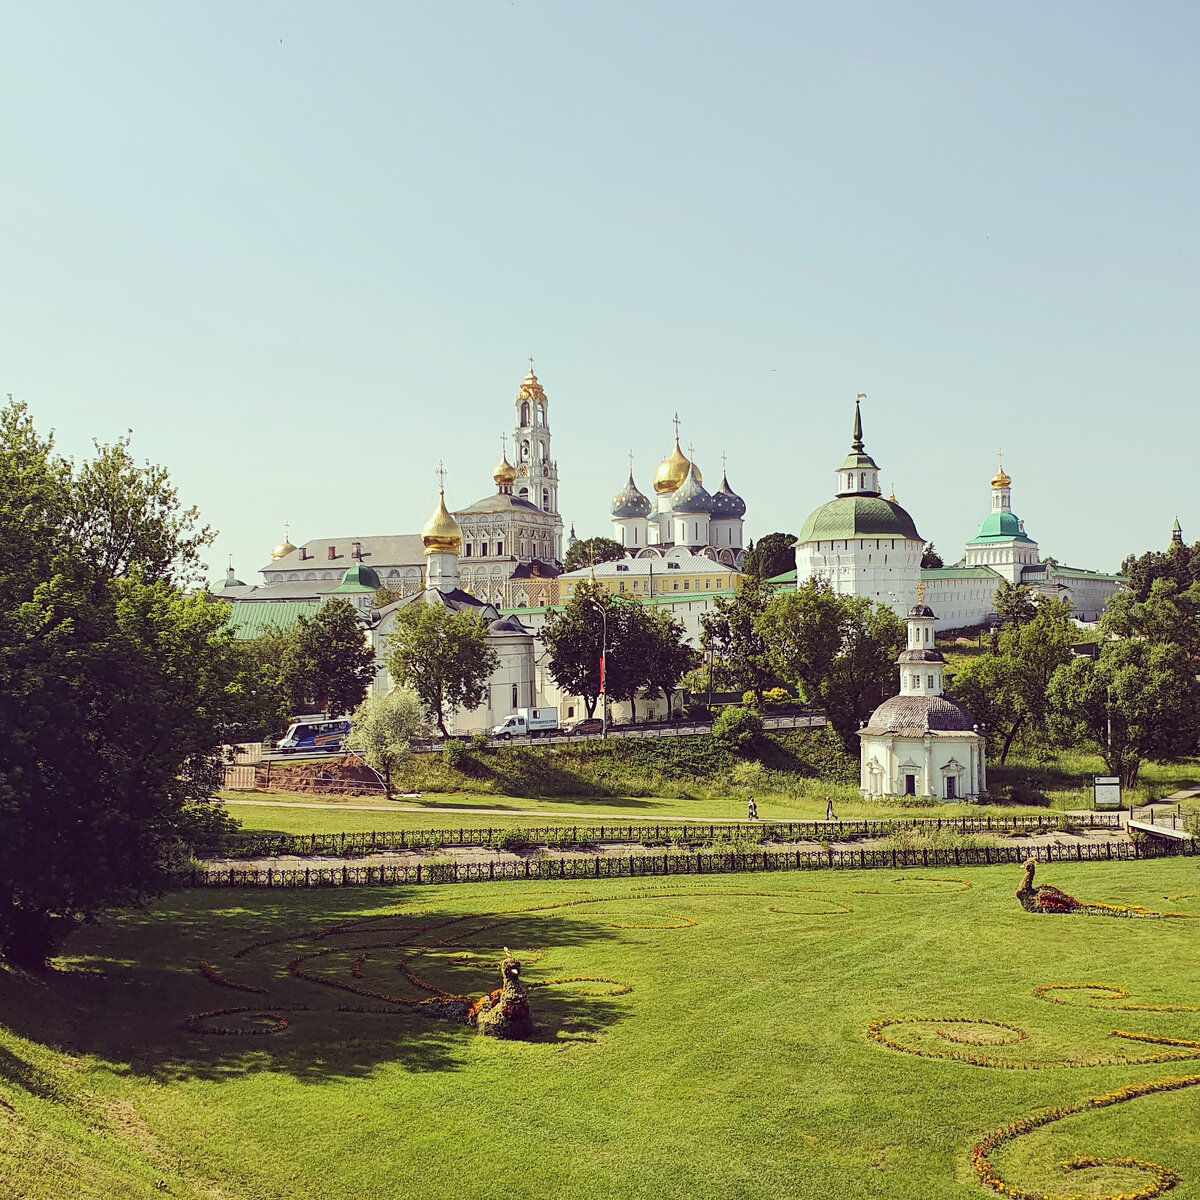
{"points": [[602, 674]]}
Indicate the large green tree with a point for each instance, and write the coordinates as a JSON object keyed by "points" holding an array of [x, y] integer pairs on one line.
{"points": [[1179, 563], [574, 636], [771, 555], [443, 655], [593, 550], [115, 687], [1007, 688], [327, 663], [730, 632], [1014, 603], [840, 651], [1138, 701], [383, 729], [666, 655]]}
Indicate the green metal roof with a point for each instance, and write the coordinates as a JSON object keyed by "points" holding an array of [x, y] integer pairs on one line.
{"points": [[858, 517], [933, 574], [786, 577], [1002, 526], [252, 618], [858, 462]]}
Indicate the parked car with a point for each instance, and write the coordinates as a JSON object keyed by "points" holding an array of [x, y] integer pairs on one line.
{"points": [[588, 725]]}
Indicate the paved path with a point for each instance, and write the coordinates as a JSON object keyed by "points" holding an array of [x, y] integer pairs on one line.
{"points": [[607, 818]]}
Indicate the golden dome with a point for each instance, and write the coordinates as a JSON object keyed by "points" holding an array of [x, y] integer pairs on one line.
{"points": [[1001, 479], [673, 470], [505, 472], [442, 534], [282, 550]]}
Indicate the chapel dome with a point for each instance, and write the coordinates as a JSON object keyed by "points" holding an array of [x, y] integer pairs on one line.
{"points": [[358, 577], [442, 533], [1001, 526], [914, 716], [726, 502], [691, 499], [504, 472], [282, 550], [856, 517], [672, 471], [629, 502]]}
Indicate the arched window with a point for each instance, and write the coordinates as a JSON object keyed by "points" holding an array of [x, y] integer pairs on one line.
{"points": [[524, 414], [546, 499], [524, 451]]}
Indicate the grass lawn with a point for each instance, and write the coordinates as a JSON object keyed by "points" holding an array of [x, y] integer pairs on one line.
{"points": [[719, 1046], [294, 813]]}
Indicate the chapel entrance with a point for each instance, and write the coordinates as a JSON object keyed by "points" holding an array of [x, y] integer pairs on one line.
{"points": [[910, 785], [951, 788]]}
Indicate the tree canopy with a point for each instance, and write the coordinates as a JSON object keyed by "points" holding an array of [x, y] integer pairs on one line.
{"points": [[729, 630], [930, 558], [1179, 563], [771, 555], [327, 663], [444, 656], [840, 651], [1007, 688], [383, 729], [115, 687], [592, 550]]}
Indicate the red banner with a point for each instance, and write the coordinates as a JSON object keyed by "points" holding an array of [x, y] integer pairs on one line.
{"points": [[602, 674]]}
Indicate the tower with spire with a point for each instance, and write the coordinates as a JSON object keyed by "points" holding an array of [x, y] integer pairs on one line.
{"points": [[537, 472], [858, 542], [1002, 543]]}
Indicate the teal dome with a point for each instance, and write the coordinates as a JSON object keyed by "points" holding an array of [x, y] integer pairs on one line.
{"points": [[857, 517], [1000, 526]]}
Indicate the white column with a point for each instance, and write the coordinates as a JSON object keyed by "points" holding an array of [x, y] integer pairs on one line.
{"points": [[929, 766]]}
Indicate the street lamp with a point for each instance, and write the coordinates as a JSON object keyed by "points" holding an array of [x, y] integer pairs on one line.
{"points": [[603, 664]]}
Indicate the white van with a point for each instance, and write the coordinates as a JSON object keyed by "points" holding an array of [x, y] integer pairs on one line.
{"points": [[528, 722]]}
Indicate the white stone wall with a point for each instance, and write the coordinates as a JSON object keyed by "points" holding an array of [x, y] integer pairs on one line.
{"points": [[887, 570], [887, 759]]}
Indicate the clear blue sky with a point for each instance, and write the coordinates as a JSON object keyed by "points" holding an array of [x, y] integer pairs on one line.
{"points": [[303, 250]]}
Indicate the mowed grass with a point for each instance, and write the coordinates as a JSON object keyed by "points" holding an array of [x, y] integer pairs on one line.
{"points": [[737, 1064], [293, 813]]}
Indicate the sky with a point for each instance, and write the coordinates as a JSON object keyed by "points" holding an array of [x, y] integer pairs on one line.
{"points": [[303, 252]]}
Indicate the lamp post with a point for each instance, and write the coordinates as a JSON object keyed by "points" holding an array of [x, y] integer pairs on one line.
{"points": [[603, 665]]}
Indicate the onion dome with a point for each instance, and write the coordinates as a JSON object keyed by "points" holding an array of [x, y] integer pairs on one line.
{"points": [[442, 533], [726, 502], [673, 470], [919, 611], [282, 550], [504, 472], [1001, 478], [530, 388], [629, 502], [691, 498]]}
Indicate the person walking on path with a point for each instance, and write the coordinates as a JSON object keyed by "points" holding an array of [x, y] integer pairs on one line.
{"points": [[829, 809], [751, 810]]}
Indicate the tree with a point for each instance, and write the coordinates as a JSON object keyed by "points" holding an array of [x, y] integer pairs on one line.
{"points": [[114, 687], [327, 664], [730, 630], [264, 702], [930, 558], [1178, 562], [1007, 688], [1167, 613], [771, 555], [1138, 701], [1014, 603], [383, 729], [663, 653], [839, 650], [444, 656], [592, 550], [737, 728]]}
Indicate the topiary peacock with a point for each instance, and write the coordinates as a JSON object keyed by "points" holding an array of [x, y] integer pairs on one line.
{"points": [[505, 1013]]}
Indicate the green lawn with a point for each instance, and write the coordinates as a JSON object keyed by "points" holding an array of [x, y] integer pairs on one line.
{"points": [[720, 1047], [296, 814]]}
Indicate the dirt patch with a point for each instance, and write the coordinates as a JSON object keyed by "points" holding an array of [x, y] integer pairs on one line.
{"points": [[345, 776]]}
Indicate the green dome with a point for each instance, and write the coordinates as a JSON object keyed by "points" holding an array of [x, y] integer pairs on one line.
{"points": [[1001, 526], [858, 517], [359, 578]]}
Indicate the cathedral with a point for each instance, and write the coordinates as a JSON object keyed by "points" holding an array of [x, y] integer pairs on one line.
{"points": [[684, 515]]}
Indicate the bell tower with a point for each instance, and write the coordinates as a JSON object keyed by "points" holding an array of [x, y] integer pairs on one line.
{"points": [[537, 472]]}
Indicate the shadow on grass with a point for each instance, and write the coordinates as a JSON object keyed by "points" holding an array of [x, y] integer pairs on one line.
{"points": [[123, 991]]}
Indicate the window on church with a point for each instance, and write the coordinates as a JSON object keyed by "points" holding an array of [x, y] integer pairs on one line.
{"points": [[524, 414], [499, 547], [929, 682], [687, 584], [467, 550], [484, 550], [676, 587], [621, 585], [514, 695]]}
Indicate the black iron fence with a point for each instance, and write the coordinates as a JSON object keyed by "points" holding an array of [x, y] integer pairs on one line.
{"points": [[637, 866], [271, 845]]}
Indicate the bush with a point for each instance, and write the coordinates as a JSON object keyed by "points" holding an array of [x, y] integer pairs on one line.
{"points": [[479, 742], [749, 700], [737, 729], [776, 696], [515, 841], [453, 752]]}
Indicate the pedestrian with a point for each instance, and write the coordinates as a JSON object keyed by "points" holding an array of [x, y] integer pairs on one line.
{"points": [[751, 810], [829, 809]]}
